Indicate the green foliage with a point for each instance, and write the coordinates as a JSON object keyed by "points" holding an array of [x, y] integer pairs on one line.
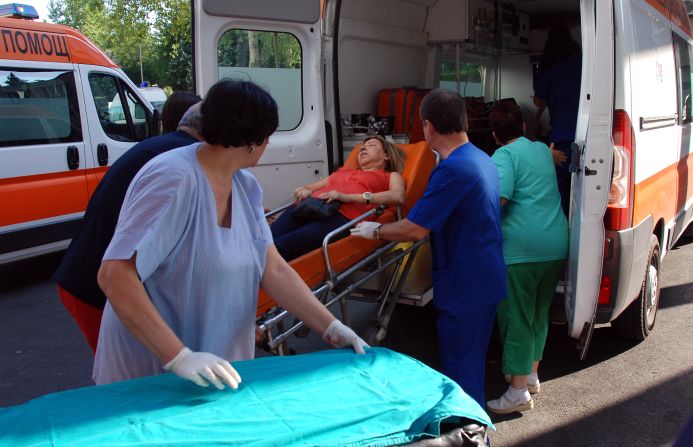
{"points": [[242, 48], [14, 81], [155, 36], [468, 72], [149, 39]]}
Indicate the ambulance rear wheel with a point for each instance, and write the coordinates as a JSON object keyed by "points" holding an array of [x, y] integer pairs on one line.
{"points": [[638, 320]]}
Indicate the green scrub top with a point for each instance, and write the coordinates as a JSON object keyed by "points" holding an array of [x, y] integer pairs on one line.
{"points": [[534, 226]]}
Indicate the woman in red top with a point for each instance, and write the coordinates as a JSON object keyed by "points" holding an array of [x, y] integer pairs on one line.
{"points": [[377, 181]]}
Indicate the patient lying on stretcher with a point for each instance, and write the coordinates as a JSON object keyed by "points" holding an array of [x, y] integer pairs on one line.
{"points": [[377, 181]]}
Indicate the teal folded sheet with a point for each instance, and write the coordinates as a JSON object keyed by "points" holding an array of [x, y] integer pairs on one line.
{"points": [[328, 398]]}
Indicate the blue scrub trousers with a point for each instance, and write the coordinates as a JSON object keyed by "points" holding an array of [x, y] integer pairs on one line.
{"points": [[463, 340]]}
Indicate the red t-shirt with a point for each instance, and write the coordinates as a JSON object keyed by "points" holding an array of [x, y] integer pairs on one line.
{"points": [[356, 181]]}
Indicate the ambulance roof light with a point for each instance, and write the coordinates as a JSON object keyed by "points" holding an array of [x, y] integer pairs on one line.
{"points": [[18, 11]]}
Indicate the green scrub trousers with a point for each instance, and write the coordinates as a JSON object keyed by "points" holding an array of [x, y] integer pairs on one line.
{"points": [[523, 318]]}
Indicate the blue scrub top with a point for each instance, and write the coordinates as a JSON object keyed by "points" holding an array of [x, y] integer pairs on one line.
{"points": [[461, 208]]}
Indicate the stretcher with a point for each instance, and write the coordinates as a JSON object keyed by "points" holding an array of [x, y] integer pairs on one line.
{"points": [[328, 398], [337, 271]]}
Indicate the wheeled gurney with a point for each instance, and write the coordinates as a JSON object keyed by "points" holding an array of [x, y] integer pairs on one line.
{"points": [[338, 270], [328, 398]]}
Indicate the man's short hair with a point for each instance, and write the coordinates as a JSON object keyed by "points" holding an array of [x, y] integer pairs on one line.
{"points": [[192, 118], [238, 113], [446, 110], [506, 121]]}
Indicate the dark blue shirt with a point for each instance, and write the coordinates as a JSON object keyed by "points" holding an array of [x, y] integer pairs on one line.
{"points": [[80, 265], [559, 86], [461, 208]]}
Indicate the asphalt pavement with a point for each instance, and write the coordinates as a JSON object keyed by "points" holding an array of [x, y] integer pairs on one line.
{"points": [[623, 394]]}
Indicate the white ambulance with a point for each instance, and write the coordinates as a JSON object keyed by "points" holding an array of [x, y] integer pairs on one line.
{"points": [[57, 136], [632, 183]]}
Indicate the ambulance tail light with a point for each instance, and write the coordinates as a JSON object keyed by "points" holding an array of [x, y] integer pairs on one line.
{"points": [[18, 11], [605, 290], [619, 212]]}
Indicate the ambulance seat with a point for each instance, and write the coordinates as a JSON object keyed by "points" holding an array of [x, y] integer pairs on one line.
{"points": [[344, 253]]}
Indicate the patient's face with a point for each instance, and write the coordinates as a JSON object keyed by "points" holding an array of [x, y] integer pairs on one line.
{"points": [[372, 155]]}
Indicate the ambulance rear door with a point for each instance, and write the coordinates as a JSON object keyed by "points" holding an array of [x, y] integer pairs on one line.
{"points": [[592, 173], [276, 44]]}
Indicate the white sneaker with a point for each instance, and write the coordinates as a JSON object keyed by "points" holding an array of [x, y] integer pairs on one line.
{"points": [[533, 388], [504, 405]]}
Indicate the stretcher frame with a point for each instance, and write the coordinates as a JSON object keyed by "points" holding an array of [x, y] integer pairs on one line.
{"points": [[389, 258]]}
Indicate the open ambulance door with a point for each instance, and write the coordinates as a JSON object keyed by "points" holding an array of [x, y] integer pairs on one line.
{"points": [[592, 170], [276, 44]]}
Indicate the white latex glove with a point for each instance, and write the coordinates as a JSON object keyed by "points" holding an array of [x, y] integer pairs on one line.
{"points": [[341, 336], [203, 368], [365, 229]]}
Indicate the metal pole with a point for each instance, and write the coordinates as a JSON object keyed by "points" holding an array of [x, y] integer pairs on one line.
{"points": [[141, 69]]}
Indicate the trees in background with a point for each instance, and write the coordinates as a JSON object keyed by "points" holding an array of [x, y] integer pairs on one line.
{"points": [[159, 29]]}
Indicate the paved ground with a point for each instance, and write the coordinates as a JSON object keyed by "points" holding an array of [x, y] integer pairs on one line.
{"points": [[624, 394]]}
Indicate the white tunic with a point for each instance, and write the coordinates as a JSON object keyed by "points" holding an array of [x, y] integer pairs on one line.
{"points": [[202, 278]]}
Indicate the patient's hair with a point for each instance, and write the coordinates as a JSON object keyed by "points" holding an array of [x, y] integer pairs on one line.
{"points": [[396, 157]]}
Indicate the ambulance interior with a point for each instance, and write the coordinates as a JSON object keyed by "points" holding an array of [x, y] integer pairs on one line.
{"points": [[486, 50]]}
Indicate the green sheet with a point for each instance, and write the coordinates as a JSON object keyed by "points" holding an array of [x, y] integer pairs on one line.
{"points": [[328, 398]]}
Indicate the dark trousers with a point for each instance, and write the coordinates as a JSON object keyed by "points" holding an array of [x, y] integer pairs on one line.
{"points": [[463, 340], [295, 237]]}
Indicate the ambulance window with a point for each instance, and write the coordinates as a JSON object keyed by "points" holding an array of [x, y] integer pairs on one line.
{"points": [[115, 104], [38, 107], [683, 74], [457, 73], [270, 59]]}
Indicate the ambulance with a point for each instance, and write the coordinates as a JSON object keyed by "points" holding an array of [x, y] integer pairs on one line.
{"points": [[329, 63], [57, 135]]}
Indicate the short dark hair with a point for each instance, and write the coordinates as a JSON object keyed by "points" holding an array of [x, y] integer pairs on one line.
{"points": [[175, 107], [238, 113], [506, 121], [446, 110]]}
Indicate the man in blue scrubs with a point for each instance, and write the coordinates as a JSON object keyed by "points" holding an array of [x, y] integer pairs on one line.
{"points": [[460, 210]]}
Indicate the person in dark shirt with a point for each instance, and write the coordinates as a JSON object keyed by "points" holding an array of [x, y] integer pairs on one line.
{"points": [[76, 275], [557, 87]]}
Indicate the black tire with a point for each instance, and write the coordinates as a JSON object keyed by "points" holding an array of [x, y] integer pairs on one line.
{"points": [[637, 321]]}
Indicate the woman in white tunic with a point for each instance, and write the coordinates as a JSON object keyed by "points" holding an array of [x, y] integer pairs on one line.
{"points": [[190, 251]]}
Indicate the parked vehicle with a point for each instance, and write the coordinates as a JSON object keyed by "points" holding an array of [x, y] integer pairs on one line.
{"points": [[56, 135], [631, 187], [155, 95]]}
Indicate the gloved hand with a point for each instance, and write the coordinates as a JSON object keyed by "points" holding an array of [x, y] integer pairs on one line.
{"points": [[341, 336], [203, 368], [365, 230]]}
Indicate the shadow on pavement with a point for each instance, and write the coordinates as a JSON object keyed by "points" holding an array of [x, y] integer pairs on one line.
{"points": [[665, 408], [28, 271]]}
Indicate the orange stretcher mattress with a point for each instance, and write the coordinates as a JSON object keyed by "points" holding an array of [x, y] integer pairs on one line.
{"points": [[346, 252]]}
